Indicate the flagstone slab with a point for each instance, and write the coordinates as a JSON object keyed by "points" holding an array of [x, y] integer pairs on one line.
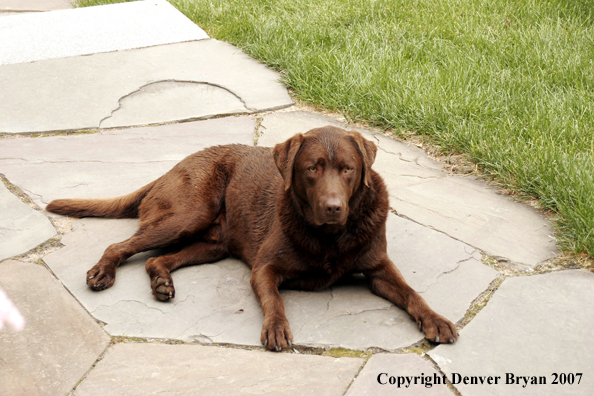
{"points": [[33, 5], [21, 227], [214, 303], [183, 81], [465, 208], [403, 374], [143, 369], [83, 31], [145, 106], [278, 127], [60, 341], [532, 326], [110, 163]]}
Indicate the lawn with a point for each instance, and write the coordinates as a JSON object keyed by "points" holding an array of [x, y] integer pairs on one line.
{"points": [[508, 83]]}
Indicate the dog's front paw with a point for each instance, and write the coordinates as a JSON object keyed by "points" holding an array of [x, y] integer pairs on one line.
{"points": [[276, 334], [438, 329], [163, 288], [100, 277]]}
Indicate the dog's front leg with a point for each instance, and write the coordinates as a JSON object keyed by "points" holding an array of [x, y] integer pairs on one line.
{"points": [[276, 333], [386, 281]]}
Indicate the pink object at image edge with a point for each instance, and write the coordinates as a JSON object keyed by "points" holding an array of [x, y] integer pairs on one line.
{"points": [[9, 314]]}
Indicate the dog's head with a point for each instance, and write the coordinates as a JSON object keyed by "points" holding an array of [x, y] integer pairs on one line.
{"points": [[325, 167]]}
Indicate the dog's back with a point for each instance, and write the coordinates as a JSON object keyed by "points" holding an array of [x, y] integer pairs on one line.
{"points": [[203, 173], [238, 183]]}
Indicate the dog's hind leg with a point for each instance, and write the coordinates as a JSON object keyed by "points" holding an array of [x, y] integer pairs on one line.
{"points": [[180, 207], [159, 268], [155, 233]]}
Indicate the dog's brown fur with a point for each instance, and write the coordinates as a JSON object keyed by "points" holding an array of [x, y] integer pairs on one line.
{"points": [[322, 217]]}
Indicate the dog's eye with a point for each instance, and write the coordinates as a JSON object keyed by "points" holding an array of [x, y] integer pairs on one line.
{"points": [[313, 169], [348, 169]]}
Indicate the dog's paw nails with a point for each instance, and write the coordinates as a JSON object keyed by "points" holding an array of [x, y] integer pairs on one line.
{"points": [[438, 329], [163, 289], [276, 335], [100, 278]]}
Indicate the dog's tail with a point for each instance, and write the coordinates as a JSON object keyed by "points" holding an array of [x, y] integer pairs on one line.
{"points": [[122, 207]]}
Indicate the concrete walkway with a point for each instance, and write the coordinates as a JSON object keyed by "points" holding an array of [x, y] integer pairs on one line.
{"points": [[91, 105]]}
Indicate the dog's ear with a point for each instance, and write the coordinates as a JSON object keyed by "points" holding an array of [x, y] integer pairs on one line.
{"points": [[368, 150], [284, 157]]}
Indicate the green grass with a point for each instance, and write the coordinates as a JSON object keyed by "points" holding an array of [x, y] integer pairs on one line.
{"points": [[510, 83]]}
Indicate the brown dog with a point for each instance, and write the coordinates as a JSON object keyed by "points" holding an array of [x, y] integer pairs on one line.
{"points": [[322, 217]]}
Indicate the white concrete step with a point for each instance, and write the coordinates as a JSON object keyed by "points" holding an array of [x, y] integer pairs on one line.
{"points": [[82, 31]]}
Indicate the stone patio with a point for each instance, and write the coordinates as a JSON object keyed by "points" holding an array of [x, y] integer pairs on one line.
{"points": [[131, 113]]}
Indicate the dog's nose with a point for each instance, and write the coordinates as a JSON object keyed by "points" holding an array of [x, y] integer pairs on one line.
{"points": [[333, 205]]}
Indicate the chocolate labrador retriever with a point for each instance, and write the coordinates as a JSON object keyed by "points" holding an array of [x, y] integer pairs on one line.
{"points": [[321, 217]]}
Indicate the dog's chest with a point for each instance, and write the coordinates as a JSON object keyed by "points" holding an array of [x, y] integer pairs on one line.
{"points": [[317, 273], [311, 280]]}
